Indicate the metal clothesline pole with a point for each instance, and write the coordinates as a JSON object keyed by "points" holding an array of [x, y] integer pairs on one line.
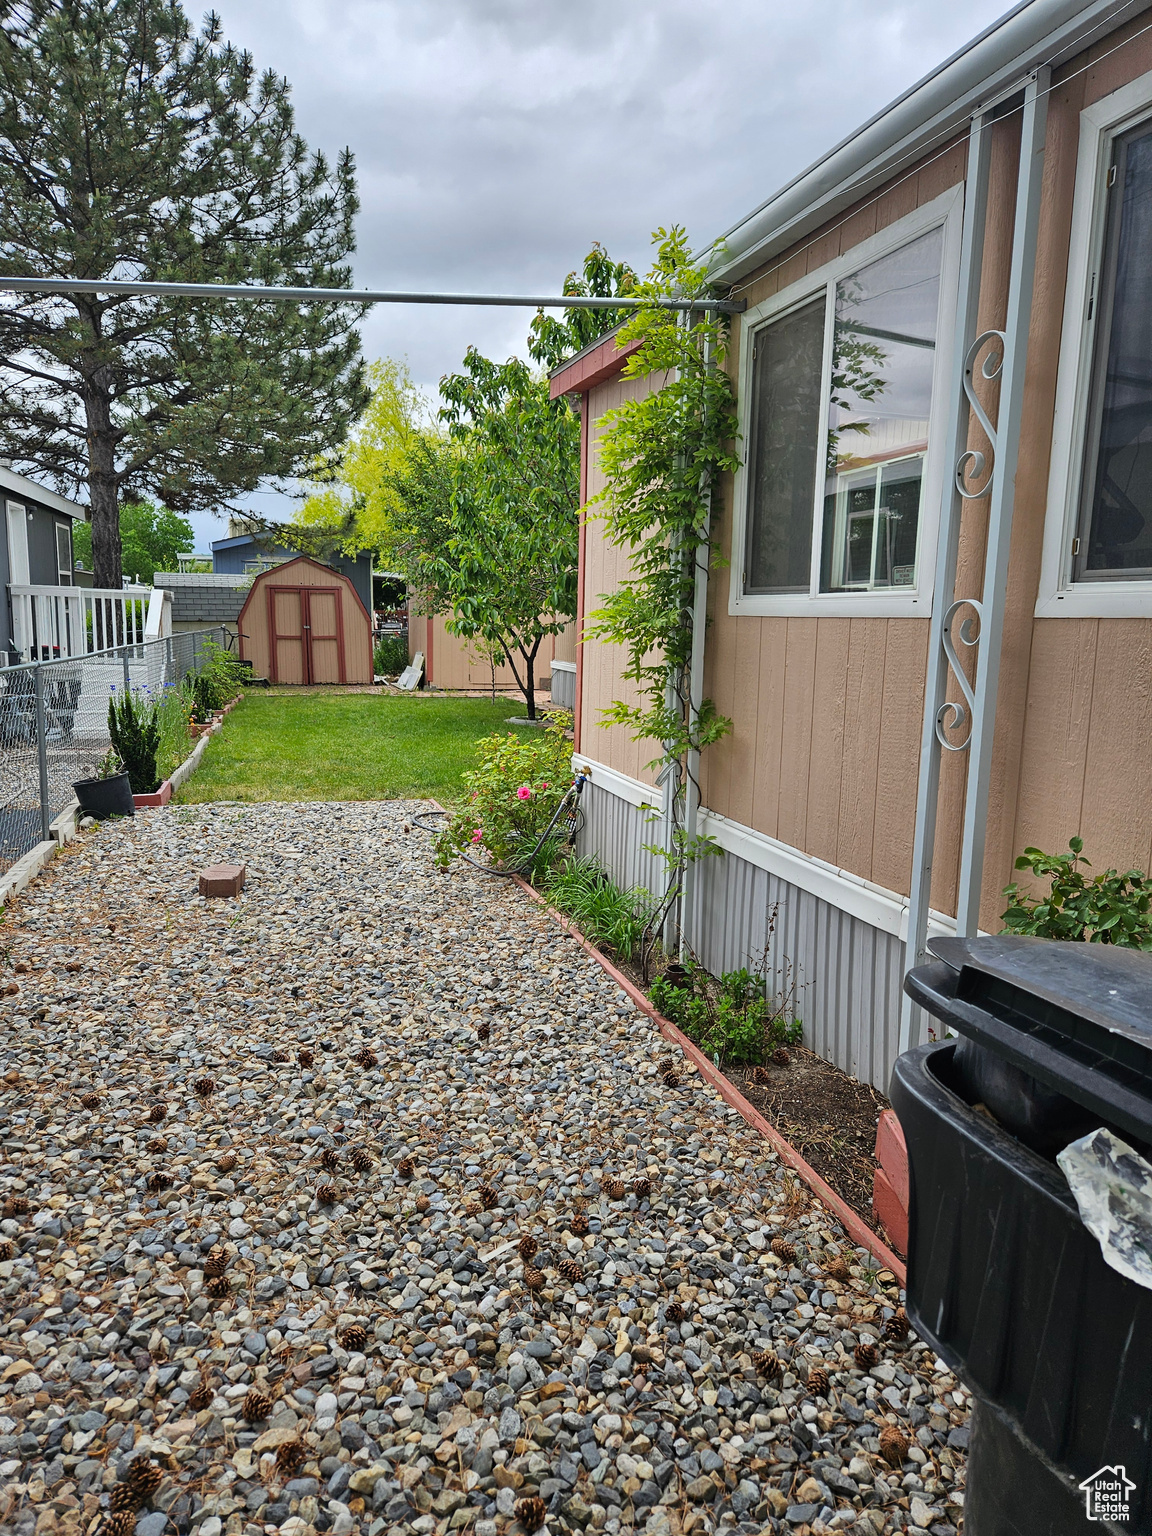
{"points": [[67, 285]]}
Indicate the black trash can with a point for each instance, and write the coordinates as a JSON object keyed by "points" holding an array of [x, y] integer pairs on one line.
{"points": [[1004, 1278]]}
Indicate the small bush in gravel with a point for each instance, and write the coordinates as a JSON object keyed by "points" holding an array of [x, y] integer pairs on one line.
{"points": [[135, 734]]}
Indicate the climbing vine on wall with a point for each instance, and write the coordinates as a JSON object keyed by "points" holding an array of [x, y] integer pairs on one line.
{"points": [[662, 458]]}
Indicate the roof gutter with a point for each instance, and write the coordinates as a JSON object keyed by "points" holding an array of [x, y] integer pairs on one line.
{"points": [[924, 117]]}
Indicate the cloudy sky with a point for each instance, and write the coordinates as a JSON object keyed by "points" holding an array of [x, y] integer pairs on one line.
{"points": [[497, 139]]}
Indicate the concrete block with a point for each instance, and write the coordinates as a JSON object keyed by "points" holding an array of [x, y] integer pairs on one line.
{"points": [[223, 879]]}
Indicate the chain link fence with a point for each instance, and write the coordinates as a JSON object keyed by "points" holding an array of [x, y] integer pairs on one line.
{"points": [[54, 725]]}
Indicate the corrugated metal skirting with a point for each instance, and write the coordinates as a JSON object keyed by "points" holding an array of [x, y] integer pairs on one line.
{"points": [[844, 975]]}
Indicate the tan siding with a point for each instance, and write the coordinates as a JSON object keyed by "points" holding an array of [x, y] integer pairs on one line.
{"points": [[863, 716]]}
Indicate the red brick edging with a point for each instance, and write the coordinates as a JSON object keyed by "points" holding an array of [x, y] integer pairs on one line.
{"points": [[860, 1233]]}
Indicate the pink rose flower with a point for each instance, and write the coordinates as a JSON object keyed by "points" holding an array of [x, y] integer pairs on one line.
{"points": [[477, 835], [523, 793]]}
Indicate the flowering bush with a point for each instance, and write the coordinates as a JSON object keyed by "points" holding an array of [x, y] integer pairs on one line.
{"points": [[512, 794]]}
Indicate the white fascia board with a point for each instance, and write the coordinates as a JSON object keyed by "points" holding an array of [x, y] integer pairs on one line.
{"points": [[31, 490], [923, 118], [563, 666], [871, 903]]}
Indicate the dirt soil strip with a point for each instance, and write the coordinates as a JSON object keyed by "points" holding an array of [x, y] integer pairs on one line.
{"points": [[859, 1231]]}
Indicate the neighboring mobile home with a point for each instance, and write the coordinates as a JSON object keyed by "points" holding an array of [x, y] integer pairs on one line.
{"points": [[36, 552], [873, 776]]}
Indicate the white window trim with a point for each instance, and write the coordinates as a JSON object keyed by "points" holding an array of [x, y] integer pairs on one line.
{"points": [[1059, 596], [945, 212]]}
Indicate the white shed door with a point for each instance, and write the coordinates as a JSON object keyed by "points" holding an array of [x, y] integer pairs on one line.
{"points": [[17, 544]]}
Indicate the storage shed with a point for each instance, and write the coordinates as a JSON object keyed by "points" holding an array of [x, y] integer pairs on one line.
{"points": [[304, 623]]}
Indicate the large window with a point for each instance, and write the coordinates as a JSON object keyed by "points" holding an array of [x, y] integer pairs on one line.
{"points": [[1114, 538], [840, 398]]}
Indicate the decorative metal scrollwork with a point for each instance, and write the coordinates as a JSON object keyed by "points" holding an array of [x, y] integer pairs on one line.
{"points": [[972, 461], [952, 715]]}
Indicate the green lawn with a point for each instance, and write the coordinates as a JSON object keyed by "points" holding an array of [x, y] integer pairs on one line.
{"points": [[344, 746]]}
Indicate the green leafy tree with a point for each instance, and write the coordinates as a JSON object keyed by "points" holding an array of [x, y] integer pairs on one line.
{"points": [[132, 147], [551, 340], [507, 568], [152, 539]]}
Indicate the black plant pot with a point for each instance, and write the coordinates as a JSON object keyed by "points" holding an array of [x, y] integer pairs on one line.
{"points": [[105, 797]]}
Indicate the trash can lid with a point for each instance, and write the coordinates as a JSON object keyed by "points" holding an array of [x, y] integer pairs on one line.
{"points": [[1076, 1016]]}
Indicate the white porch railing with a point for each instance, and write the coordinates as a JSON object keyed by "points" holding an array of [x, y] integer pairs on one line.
{"points": [[51, 623]]}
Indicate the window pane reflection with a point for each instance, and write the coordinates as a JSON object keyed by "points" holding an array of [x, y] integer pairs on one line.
{"points": [[883, 357]]}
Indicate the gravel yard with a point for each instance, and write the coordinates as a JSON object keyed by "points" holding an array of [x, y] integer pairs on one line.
{"points": [[264, 1185]]}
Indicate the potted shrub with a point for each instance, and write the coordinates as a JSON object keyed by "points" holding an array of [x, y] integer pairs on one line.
{"points": [[108, 792], [135, 733]]}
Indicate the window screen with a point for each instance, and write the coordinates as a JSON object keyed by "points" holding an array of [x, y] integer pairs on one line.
{"points": [[1116, 506], [784, 441]]}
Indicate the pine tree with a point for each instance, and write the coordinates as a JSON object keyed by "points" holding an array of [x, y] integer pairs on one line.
{"points": [[131, 147]]}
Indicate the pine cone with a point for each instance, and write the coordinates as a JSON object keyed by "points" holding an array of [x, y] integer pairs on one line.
{"points": [[784, 1250], [120, 1522], [405, 1168], [534, 1278], [157, 1144], [157, 1112], [837, 1269], [157, 1181], [330, 1158], [145, 1476], [423, 1203], [483, 1031], [201, 1396], [280, 1057], [531, 1512], [257, 1405], [90, 1100], [471, 1207], [893, 1445], [641, 1188], [578, 1226], [780, 1056], [7, 1249], [328, 1194], [354, 1338], [527, 1247], [216, 1262], [204, 1087], [218, 1287], [818, 1383], [362, 1160], [125, 1496], [16, 1205], [571, 1271], [489, 1196], [614, 1188], [674, 1312], [305, 1057], [768, 1364], [290, 1457], [760, 1076], [897, 1325], [670, 1077], [866, 1356], [365, 1058], [226, 1163]]}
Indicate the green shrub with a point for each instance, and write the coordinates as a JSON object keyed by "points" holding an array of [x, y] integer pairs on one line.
{"points": [[217, 681], [135, 734], [730, 1017], [607, 916], [1107, 909], [512, 794], [390, 655]]}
